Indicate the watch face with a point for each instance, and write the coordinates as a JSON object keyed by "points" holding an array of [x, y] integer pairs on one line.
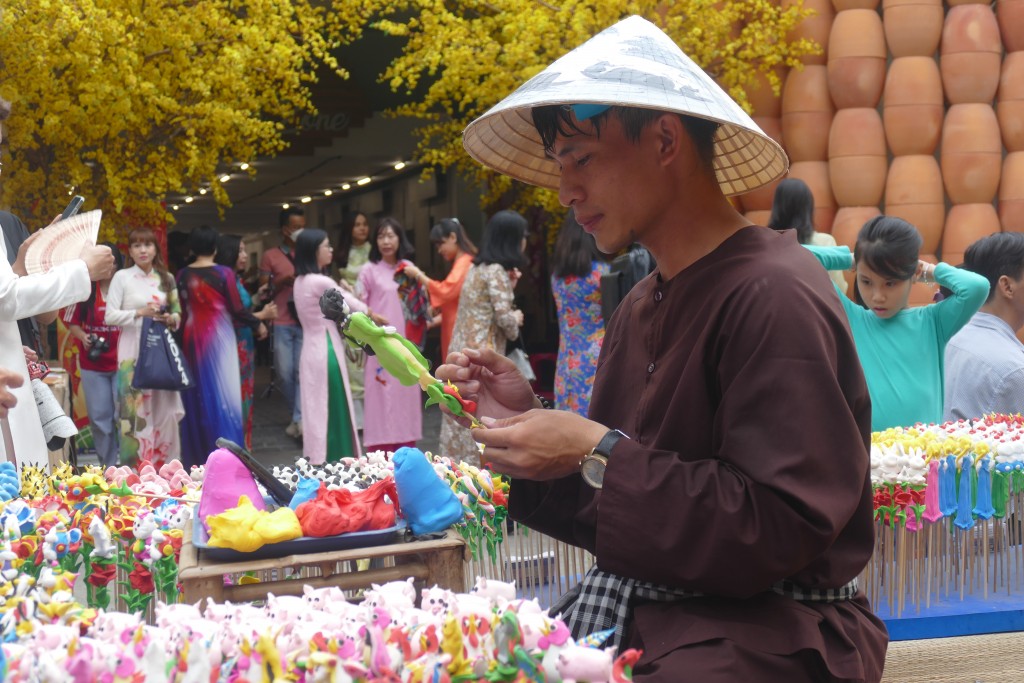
{"points": [[592, 469]]}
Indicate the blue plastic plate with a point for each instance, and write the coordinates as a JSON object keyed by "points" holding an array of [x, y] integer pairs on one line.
{"points": [[304, 544]]}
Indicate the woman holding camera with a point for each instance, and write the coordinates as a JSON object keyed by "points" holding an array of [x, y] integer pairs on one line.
{"points": [[97, 361]]}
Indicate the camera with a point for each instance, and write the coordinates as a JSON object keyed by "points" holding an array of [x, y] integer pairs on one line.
{"points": [[98, 346], [164, 308]]}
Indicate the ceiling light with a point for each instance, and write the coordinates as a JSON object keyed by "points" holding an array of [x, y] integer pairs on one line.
{"points": [[285, 205], [188, 200], [202, 190], [226, 177], [327, 193], [363, 181], [244, 165], [400, 165], [174, 207], [306, 200], [345, 186]]}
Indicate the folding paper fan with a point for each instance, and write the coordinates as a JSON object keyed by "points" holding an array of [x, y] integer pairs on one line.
{"points": [[62, 241]]}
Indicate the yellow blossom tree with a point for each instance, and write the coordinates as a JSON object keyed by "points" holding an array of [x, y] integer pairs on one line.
{"points": [[470, 54], [128, 100]]}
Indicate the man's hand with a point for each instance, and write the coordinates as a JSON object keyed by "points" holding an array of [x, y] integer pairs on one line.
{"points": [[539, 445], [261, 332], [99, 260], [490, 379], [9, 379], [30, 355]]}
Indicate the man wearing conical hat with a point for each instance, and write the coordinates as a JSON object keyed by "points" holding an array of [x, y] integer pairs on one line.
{"points": [[722, 478]]}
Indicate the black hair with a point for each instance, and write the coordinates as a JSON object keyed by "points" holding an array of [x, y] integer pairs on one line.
{"points": [[575, 250], [503, 238], [285, 216], [202, 241], [889, 246], [306, 245], [793, 209], [118, 265], [995, 256], [405, 248], [228, 248], [452, 226], [556, 119], [345, 239]]}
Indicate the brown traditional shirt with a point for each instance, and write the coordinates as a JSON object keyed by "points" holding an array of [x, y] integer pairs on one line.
{"points": [[738, 384]]}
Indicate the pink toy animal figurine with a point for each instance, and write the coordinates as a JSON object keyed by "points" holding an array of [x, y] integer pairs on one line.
{"points": [[108, 626], [318, 598], [586, 664], [169, 616], [436, 600], [500, 592], [284, 610], [389, 595]]}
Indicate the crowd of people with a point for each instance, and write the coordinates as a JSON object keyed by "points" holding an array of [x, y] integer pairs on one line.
{"points": [[729, 529]]}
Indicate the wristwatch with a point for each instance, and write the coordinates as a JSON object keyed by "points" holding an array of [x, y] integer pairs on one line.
{"points": [[595, 462]]}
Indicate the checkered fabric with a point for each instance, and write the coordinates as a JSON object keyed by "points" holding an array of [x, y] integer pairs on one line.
{"points": [[602, 600]]}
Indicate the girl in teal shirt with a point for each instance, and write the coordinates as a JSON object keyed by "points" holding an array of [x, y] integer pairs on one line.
{"points": [[901, 349]]}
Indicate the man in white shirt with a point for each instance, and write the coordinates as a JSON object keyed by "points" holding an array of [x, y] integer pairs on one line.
{"points": [[985, 359], [23, 296]]}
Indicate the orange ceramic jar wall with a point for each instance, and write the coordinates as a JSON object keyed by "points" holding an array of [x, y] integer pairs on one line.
{"points": [[913, 191], [848, 222], [1011, 192], [815, 174], [840, 5], [972, 153], [966, 224], [807, 113], [1010, 107], [913, 107], [856, 59], [971, 54], [857, 160], [815, 27], [1011, 23], [912, 27]]}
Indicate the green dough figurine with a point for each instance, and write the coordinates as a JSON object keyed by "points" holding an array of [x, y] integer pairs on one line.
{"points": [[396, 354]]}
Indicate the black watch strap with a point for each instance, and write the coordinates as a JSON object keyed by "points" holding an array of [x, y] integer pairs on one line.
{"points": [[608, 441]]}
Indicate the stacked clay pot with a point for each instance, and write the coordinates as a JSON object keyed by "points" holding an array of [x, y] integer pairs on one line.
{"points": [[858, 158], [921, 100], [970, 61]]}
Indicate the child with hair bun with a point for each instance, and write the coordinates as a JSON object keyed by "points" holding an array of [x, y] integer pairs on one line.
{"points": [[901, 349]]}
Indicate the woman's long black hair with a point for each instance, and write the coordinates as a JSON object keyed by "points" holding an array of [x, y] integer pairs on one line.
{"points": [[452, 226], [228, 248], [793, 209], [306, 246], [575, 251], [503, 239]]}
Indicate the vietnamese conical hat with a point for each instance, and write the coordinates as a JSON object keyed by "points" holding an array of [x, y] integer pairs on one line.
{"points": [[632, 64]]}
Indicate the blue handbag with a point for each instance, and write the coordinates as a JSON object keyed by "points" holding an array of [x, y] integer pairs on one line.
{"points": [[161, 364]]}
